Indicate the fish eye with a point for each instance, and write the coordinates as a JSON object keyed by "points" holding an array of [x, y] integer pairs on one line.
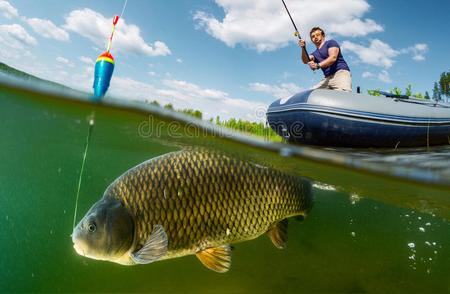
{"points": [[92, 227]]}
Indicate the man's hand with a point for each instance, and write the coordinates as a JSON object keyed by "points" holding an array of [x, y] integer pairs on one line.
{"points": [[313, 65], [301, 43]]}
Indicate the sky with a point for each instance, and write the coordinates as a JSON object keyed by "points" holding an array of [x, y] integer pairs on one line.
{"points": [[230, 58]]}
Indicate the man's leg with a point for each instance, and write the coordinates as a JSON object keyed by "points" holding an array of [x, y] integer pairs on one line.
{"points": [[323, 84], [341, 81]]}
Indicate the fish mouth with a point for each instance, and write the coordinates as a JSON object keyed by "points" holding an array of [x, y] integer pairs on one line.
{"points": [[78, 249], [77, 244]]}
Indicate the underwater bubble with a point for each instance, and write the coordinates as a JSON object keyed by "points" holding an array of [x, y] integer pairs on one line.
{"points": [[325, 187], [286, 152], [354, 198], [421, 229], [411, 245]]}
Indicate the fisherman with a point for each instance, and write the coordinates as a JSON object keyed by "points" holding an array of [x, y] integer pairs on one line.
{"points": [[327, 57]]}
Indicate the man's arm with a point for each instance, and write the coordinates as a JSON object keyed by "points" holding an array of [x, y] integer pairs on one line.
{"points": [[305, 58], [333, 53]]}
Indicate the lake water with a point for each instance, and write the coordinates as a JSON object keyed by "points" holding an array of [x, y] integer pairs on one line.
{"points": [[380, 222]]}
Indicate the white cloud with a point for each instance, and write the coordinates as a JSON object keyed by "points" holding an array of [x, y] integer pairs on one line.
{"points": [[96, 28], [265, 26], [183, 94], [179, 60], [367, 74], [355, 27], [383, 76], [86, 60], [48, 29], [152, 73], [15, 42], [381, 54], [8, 10], [378, 53], [17, 34], [417, 51], [278, 91], [193, 90], [80, 77], [64, 61]]}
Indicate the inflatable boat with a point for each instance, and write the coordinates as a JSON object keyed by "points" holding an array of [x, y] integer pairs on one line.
{"points": [[342, 119]]}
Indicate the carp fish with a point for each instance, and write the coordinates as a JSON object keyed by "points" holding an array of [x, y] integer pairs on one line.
{"points": [[190, 202]]}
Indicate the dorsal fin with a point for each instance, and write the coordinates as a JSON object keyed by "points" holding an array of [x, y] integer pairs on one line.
{"points": [[279, 234], [217, 259], [153, 249]]}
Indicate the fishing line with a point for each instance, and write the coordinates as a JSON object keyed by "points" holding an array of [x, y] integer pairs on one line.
{"points": [[91, 127], [115, 21], [123, 9]]}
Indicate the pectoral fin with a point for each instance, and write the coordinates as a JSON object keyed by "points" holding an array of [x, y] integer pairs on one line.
{"points": [[153, 249], [278, 234], [217, 259]]}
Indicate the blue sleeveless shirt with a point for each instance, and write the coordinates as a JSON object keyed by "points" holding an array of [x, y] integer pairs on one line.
{"points": [[322, 54]]}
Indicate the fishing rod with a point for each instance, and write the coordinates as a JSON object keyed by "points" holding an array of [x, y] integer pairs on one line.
{"points": [[297, 34]]}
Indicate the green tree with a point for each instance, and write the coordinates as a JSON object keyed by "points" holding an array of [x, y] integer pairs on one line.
{"points": [[419, 95], [193, 112], [408, 91], [374, 92], [169, 106], [444, 84], [396, 91], [155, 103], [427, 95], [436, 92]]}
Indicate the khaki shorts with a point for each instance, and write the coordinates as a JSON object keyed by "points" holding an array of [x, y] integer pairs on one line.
{"points": [[341, 81]]}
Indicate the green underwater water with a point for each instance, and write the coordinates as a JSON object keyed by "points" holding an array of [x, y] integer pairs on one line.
{"points": [[371, 233]]}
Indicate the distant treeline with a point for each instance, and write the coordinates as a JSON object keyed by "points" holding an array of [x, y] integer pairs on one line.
{"points": [[441, 89], [255, 128]]}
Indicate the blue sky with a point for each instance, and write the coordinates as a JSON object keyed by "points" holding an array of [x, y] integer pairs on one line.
{"points": [[225, 57]]}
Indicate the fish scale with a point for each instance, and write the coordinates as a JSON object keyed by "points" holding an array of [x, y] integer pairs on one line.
{"points": [[222, 199]]}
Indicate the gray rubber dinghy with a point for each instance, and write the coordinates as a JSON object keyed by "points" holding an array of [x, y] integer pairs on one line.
{"points": [[334, 118]]}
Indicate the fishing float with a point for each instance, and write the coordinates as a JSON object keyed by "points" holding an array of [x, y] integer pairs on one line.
{"points": [[104, 66]]}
